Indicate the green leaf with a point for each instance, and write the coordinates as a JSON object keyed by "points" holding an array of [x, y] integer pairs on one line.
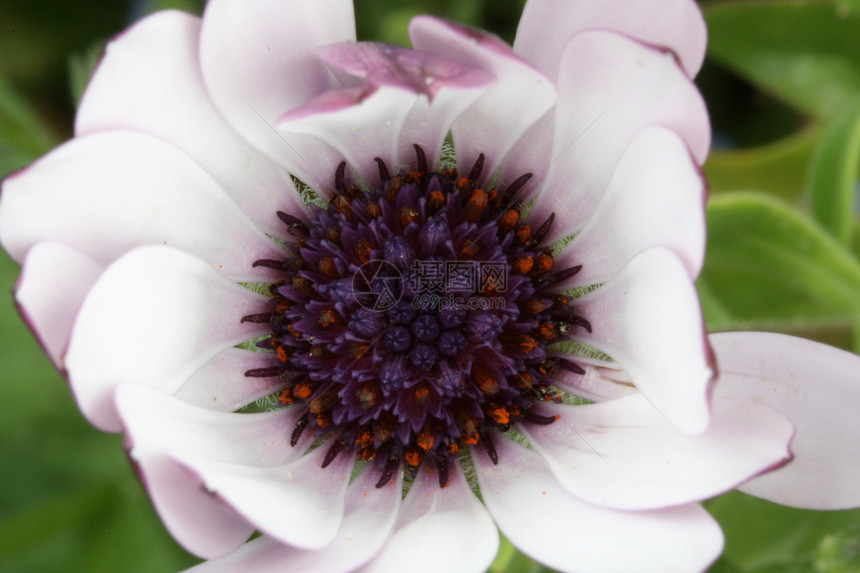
{"points": [[804, 51], [81, 67], [763, 536], [767, 266], [22, 132], [779, 168], [834, 174]]}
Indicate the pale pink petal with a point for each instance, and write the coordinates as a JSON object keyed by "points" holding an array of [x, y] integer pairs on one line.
{"points": [[155, 421], [113, 191], [153, 318], [818, 388], [504, 113], [548, 523], [54, 281], [547, 25], [221, 384], [610, 87], [623, 454], [656, 198], [370, 515], [300, 503], [411, 98], [158, 426], [602, 380], [439, 529], [647, 318], [259, 60], [449, 86], [149, 80]]}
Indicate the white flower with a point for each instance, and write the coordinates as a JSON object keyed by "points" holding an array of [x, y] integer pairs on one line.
{"points": [[136, 235]]}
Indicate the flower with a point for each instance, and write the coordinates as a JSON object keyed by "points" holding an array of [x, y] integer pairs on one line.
{"points": [[177, 269]]}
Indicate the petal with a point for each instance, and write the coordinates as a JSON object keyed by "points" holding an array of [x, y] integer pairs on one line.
{"points": [[113, 191], [647, 318], [656, 198], [410, 99], [370, 515], [439, 529], [503, 114], [53, 283], [153, 318], [624, 455], [450, 86], [158, 425], [610, 87], [259, 60], [300, 503], [548, 523], [818, 388], [547, 25], [149, 80], [221, 384]]}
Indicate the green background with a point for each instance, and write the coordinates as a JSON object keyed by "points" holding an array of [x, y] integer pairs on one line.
{"points": [[782, 82]]}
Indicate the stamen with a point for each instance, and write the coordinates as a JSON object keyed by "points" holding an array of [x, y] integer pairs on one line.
{"points": [[544, 229], [477, 169], [539, 419], [565, 364], [565, 274], [515, 187], [388, 471], [295, 226], [422, 159], [340, 178], [580, 321], [383, 169], [261, 318], [490, 448], [297, 431], [333, 451], [442, 470]]}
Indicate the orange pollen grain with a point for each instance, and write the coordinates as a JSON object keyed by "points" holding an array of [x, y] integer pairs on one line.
{"points": [[425, 440], [543, 263], [303, 390], [470, 439], [282, 354], [523, 265], [486, 382], [476, 205], [363, 249], [501, 415], [437, 199]]}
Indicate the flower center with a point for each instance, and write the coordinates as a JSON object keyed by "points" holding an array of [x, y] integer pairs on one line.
{"points": [[415, 317]]}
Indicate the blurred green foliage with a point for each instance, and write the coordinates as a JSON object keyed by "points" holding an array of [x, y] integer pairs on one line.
{"points": [[782, 82]]}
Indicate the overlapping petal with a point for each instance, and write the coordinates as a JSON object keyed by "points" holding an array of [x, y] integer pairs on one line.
{"points": [[647, 319], [49, 310], [655, 198], [149, 80], [544, 520], [433, 518], [153, 318], [610, 87], [259, 61], [370, 515], [106, 198], [521, 95], [643, 462], [547, 25], [817, 387]]}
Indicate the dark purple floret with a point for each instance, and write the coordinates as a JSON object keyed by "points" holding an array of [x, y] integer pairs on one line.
{"points": [[415, 318]]}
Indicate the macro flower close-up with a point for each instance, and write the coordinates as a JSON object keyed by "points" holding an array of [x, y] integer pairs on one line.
{"points": [[355, 306]]}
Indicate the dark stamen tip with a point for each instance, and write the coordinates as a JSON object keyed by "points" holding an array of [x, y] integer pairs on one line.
{"points": [[295, 226], [571, 366], [565, 274], [297, 431], [383, 169], [515, 187], [261, 318], [269, 264], [422, 159], [388, 471], [477, 169], [443, 471], [340, 178], [544, 229], [269, 372], [580, 321], [490, 447], [538, 419], [333, 451]]}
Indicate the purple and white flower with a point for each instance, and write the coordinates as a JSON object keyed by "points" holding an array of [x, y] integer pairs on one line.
{"points": [[254, 204]]}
